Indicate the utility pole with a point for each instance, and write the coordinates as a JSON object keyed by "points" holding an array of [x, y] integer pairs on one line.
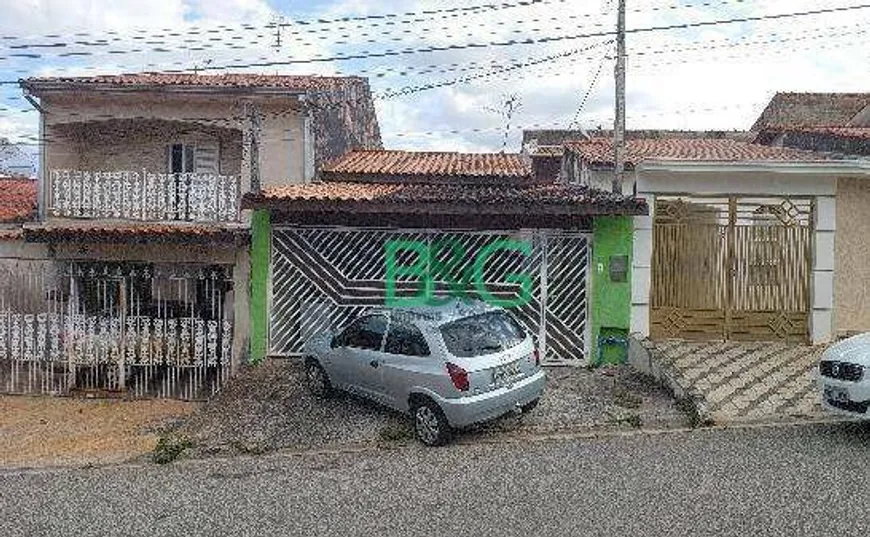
{"points": [[619, 121]]}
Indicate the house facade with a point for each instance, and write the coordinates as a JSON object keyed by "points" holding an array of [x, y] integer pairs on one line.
{"points": [[743, 241], [838, 126], [417, 226], [136, 277]]}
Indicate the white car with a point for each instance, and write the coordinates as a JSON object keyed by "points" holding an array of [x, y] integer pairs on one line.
{"points": [[843, 379]]}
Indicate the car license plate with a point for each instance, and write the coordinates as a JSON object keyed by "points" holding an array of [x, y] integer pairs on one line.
{"points": [[505, 373], [838, 395]]}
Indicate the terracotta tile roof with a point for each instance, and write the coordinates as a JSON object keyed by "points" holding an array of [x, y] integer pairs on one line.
{"points": [[226, 80], [11, 234], [811, 109], [17, 199], [599, 151], [435, 198], [845, 132], [557, 138], [97, 231], [387, 165], [547, 151]]}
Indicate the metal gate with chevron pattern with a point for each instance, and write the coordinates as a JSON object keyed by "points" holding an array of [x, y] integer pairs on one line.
{"points": [[324, 277]]}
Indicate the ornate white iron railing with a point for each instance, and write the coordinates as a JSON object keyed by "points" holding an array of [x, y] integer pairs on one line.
{"points": [[146, 332], [131, 195]]}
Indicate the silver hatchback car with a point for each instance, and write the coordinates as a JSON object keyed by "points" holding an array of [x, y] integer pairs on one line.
{"points": [[447, 366]]}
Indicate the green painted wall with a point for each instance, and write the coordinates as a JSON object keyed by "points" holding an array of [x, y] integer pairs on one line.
{"points": [[261, 237], [611, 300]]}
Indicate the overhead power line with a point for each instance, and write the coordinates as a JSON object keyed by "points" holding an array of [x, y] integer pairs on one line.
{"points": [[313, 26], [199, 30], [387, 71], [531, 41]]}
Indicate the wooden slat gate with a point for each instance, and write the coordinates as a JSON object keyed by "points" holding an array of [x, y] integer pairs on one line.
{"points": [[733, 267]]}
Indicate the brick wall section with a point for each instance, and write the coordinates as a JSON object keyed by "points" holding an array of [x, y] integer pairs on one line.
{"points": [[344, 120]]}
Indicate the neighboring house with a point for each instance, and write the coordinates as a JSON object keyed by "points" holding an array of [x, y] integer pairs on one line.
{"points": [[838, 141], [743, 241], [545, 147], [838, 126], [320, 250], [787, 110], [17, 159], [136, 273], [836, 123]]}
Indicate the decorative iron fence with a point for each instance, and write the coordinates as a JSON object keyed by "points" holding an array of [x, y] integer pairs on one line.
{"points": [[131, 195], [324, 277], [141, 329]]}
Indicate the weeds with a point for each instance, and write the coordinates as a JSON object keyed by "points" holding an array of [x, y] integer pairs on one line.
{"points": [[632, 420], [170, 448], [627, 399], [396, 433]]}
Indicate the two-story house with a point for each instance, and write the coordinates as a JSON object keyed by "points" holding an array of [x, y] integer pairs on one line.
{"points": [[136, 271]]}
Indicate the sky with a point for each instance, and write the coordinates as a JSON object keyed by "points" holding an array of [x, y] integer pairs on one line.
{"points": [[709, 77]]}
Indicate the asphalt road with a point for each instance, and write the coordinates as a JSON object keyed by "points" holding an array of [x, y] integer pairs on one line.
{"points": [[809, 480]]}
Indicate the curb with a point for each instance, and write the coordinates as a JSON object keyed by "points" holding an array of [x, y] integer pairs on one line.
{"points": [[509, 438], [667, 374]]}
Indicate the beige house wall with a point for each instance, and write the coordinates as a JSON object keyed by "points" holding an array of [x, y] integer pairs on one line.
{"points": [[852, 247], [132, 132], [123, 145]]}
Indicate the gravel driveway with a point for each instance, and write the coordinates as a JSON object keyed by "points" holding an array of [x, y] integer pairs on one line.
{"points": [[267, 407]]}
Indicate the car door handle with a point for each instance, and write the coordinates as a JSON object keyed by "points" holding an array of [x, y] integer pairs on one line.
{"points": [[374, 363]]}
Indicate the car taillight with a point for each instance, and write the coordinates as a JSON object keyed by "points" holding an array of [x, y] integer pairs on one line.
{"points": [[537, 358], [459, 377]]}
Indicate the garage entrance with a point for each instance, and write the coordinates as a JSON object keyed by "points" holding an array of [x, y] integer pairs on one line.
{"points": [[732, 267], [323, 277]]}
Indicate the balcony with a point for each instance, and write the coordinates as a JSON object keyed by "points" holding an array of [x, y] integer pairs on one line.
{"points": [[143, 196]]}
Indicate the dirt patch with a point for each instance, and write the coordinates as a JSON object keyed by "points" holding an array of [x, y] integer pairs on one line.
{"points": [[46, 431]]}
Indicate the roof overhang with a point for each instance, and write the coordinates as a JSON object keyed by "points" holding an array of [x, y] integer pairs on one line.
{"points": [[443, 214], [634, 208], [135, 233], [815, 167], [42, 87]]}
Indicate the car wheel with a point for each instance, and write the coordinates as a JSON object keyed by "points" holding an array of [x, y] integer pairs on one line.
{"points": [[528, 407], [430, 424], [316, 379]]}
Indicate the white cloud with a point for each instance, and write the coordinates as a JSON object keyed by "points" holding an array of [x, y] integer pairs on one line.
{"points": [[722, 87]]}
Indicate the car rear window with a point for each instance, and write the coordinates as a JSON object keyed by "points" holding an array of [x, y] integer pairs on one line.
{"points": [[482, 334]]}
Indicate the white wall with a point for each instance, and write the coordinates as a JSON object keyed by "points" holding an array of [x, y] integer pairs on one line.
{"points": [[762, 182]]}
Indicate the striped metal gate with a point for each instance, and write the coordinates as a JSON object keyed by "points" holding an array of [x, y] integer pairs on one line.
{"points": [[324, 277]]}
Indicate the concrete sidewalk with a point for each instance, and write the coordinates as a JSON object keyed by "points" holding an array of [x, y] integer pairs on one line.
{"points": [[739, 381]]}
